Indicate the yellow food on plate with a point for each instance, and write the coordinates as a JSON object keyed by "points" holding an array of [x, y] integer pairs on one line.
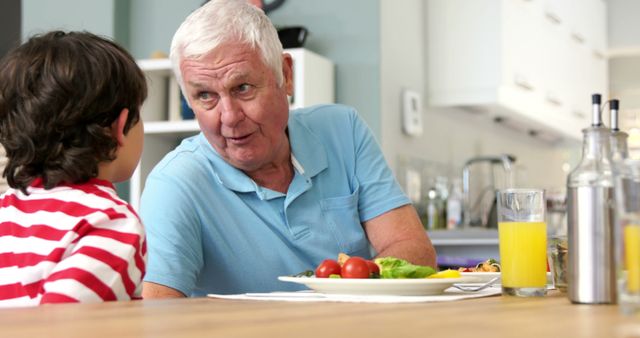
{"points": [[490, 265], [342, 257], [446, 274]]}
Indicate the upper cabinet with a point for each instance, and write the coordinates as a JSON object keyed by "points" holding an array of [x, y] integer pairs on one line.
{"points": [[530, 64]]}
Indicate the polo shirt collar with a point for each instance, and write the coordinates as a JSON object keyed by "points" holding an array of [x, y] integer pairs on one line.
{"points": [[306, 148]]}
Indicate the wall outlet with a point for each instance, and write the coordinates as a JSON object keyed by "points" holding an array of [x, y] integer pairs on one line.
{"points": [[411, 113]]}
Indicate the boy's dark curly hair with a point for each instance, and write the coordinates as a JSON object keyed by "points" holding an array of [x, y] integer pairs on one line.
{"points": [[59, 95]]}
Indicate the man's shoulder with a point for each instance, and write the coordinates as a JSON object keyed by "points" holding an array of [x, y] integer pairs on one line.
{"points": [[186, 156], [327, 117], [323, 110]]}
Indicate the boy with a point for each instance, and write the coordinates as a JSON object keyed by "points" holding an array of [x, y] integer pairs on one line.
{"points": [[70, 123]]}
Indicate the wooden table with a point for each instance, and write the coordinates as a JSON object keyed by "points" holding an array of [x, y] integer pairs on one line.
{"points": [[548, 317]]}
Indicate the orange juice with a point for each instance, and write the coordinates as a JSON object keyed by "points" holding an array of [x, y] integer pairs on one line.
{"points": [[632, 257], [523, 254]]}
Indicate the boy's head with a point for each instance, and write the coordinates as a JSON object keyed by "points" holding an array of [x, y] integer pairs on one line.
{"points": [[60, 96]]}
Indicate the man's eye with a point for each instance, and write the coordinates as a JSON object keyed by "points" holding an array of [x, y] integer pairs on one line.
{"points": [[243, 88], [204, 96]]}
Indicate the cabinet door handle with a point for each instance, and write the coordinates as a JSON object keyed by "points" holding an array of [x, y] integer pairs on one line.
{"points": [[577, 37], [553, 17], [553, 99], [522, 82], [598, 54], [579, 114]]}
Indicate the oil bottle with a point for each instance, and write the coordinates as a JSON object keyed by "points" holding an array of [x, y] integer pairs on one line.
{"points": [[590, 193], [619, 149]]}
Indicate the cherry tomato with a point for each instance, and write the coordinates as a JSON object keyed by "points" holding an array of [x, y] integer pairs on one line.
{"points": [[548, 270], [355, 267], [328, 267], [373, 267]]}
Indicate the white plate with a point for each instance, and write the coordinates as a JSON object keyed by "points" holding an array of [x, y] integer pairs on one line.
{"points": [[481, 277], [363, 286]]}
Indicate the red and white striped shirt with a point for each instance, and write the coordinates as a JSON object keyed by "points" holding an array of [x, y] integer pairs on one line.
{"points": [[72, 243]]}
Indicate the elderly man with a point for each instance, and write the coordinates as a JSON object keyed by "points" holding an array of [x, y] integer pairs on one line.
{"points": [[262, 191]]}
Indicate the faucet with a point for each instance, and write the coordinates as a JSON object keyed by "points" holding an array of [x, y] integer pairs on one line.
{"points": [[487, 218]]}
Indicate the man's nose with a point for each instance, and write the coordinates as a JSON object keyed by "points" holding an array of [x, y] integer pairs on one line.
{"points": [[231, 112]]}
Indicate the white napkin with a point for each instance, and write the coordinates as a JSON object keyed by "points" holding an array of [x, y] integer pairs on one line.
{"points": [[450, 294]]}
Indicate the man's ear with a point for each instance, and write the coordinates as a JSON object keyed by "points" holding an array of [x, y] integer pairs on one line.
{"points": [[287, 72], [117, 128]]}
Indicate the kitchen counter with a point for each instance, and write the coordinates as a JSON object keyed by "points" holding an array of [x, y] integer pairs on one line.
{"points": [[500, 316], [465, 247]]}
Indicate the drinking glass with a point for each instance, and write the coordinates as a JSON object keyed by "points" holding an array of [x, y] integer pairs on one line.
{"points": [[522, 233], [558, 251], [628, 236]]}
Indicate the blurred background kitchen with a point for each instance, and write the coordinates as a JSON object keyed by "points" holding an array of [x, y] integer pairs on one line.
{"points": [[464, 96]]}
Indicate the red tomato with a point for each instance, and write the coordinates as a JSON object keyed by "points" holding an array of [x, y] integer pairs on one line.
{"points": [[548, 270], [327, 267], [355, 267], [373, 267]]}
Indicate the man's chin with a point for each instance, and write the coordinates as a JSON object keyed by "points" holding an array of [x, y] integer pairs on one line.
{"points": [[244, 163]]}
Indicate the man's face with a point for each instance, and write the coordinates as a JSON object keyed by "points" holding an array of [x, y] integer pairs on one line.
{"points": [[239, 106]]}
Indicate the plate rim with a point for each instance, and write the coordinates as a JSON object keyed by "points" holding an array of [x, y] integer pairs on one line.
{"points": [[378, 286], [301, 280], [481, 273]]}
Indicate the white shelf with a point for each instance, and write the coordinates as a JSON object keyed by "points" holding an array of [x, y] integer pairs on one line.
{"points": [[155, 65], [624, 52], [177, 128]]}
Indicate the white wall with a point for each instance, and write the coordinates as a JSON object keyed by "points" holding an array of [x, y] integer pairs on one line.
{"points": [[624, 64], [623, 24], [153, 23], [96, 16], [346, 32]]}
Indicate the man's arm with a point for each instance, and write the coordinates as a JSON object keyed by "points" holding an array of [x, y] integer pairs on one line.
{"points": [[399, 233], [153, 290]]}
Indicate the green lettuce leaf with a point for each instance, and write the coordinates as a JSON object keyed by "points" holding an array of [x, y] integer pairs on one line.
{"points": [[391, 267]]}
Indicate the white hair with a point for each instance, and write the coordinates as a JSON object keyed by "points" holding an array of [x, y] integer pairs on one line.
{"points": [[220, 21]]}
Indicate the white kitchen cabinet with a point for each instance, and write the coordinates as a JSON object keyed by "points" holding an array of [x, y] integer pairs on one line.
{"points": [[313, 78], [532, 64], [164, 127]]}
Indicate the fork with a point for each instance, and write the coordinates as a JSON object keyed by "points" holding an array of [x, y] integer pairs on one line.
{"points": [[477, 288]]}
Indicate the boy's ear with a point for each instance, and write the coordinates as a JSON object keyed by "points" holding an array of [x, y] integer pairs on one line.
{"points": [[117, 128]]}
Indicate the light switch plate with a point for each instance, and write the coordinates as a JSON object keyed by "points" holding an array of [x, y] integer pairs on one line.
{"points": [[411, 113]]}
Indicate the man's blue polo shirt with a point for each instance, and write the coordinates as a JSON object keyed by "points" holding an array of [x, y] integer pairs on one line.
{"points": [[212, 229]]}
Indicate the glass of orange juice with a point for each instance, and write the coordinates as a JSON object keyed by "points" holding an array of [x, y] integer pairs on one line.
{"points": [[522, 233], [628, 236]]}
